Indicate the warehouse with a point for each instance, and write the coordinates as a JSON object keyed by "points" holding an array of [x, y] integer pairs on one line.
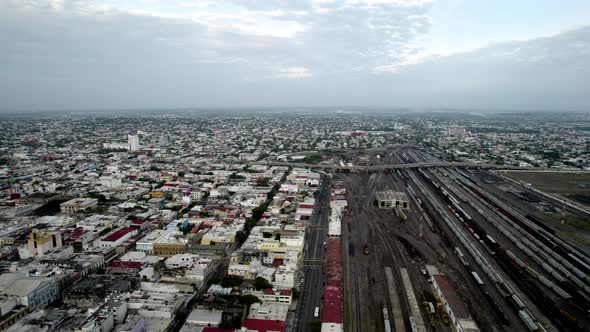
{"points": [[391, 199]]}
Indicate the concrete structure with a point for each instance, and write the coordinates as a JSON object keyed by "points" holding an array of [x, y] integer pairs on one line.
{"points": [[10, 311], [117, 237], [284, 277], [457, 131], [392, 199], [41, 242], [132, 142], [157, 301], [271, 295], [33, 292], [181, 261], [203, 317], [78, 204], [111, 313], [110, 182], [269, 311], [146, 244]]}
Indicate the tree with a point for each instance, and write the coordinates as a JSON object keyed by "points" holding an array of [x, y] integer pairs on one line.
{"points": [[315, 326], [241, 236], [261, 283], [262, 182], [181, 174], [231, 281], [295, 293], [248, 299], [257, 212]]}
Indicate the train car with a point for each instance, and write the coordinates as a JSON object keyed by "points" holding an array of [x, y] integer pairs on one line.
{"points": [[386, 321], [532, 272], [401, 213], [459, 254], [491, 240], [487, 248], [518, 302], [413, 326], [431, 312], [528, 320], [477, 278]]}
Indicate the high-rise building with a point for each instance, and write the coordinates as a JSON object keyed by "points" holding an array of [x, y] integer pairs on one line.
{"points": [[132, 142]]}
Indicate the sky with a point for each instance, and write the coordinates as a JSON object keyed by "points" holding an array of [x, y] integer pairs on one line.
{"points": [[422, 54]]}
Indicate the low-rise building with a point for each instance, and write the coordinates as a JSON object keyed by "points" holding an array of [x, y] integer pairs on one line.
{"points": [[41, 242], [117, 237], [33, 292], [112, 312], [78, 204], [204, 317]]}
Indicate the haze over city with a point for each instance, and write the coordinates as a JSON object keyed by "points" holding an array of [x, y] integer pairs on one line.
{"points": [[510, 55]]}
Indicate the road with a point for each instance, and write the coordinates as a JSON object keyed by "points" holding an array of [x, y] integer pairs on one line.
{"points": [[314, 260], [182, 315]]}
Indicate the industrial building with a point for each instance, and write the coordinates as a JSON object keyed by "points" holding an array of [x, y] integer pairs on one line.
{"points": [[392, 199]]}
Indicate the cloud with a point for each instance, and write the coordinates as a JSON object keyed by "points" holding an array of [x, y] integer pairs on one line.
{"points": [[351, 34], [109, 54], [293, 73]]}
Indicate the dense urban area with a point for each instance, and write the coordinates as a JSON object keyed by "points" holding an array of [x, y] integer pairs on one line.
{"points": [[294, 220]]}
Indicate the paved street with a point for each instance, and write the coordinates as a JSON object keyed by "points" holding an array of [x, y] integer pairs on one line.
{"points": [[313, 259]]}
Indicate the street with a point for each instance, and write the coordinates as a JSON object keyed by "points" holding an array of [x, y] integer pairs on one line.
{"points": [[313, 260]]}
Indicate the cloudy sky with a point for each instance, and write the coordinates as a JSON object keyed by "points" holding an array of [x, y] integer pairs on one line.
{"points": [[110, 54]]}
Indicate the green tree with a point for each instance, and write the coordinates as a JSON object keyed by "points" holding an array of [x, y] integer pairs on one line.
{"points": [[262, 182], [248, 299], [231, 281], [315, 326], [295, 293], [261, 283], [241, 236]]}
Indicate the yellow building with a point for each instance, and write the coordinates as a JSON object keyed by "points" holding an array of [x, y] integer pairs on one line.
{"points": [[157, 194], [169, 249], [41, 242], [269, 245]]}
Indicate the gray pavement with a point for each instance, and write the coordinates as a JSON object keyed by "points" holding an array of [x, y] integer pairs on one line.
{"points": [[313, 260]]}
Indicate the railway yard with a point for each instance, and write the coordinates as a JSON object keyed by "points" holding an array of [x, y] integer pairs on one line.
{"points": [[465, 255]]}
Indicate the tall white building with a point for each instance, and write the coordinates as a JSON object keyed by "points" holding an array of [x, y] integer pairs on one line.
{"points": [[132, 142]]}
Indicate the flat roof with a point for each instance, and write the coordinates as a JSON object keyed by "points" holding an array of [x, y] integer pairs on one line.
{"points": [[332, 305], [118, 234], [449, 292], [390, 195]]}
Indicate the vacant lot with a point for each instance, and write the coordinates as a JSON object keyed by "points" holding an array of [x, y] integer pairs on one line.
{"points": [[575, 186], [555, 183]]}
